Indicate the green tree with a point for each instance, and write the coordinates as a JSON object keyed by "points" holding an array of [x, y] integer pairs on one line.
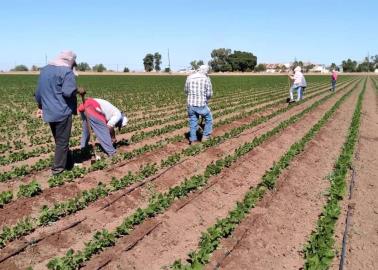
{"points": [[148, 62], [83, 66], [126, 69], [99, 68], [196, 64], [242, 61], [167, 70], [34, 68], [20, 68], [260, 68], [374, 59], [296, 64], [349, 65], [366, 66], [333, 66], [157, 61], [220, 60]]}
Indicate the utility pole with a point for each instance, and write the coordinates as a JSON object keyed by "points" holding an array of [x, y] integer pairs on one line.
{"points": [[45, 58], [169, 62]]}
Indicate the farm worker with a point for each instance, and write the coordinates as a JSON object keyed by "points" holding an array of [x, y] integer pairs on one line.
{"points": [[298, 83], [56, 98], [199, 90], [103, 118], [334, 79]]}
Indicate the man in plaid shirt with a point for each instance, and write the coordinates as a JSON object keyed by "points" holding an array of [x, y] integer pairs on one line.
{"points": [[199, 90]]}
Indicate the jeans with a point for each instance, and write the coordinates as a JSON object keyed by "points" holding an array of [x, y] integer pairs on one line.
{"points": [[194, 113], [333, 85], [62, 132], [102, 133], [299, 92]]}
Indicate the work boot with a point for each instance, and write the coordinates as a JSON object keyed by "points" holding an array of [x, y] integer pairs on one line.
{"points": [[206, 138]]}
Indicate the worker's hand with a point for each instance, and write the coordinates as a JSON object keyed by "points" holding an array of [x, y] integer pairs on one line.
{"points": [[39, 113], [81, 91]]}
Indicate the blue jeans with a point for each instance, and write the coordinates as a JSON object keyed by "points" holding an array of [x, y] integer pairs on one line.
{"points": [[194, 113], [101, 131], [299, 92], [333, 85]]}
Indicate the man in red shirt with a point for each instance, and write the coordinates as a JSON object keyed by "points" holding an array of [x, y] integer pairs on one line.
{"points": [[99, 124]]}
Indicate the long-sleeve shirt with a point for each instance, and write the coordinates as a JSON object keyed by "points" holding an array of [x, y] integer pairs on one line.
{"points": [[198, 89], [112, 114], [298, 77], [93, 109], [56, 93]]}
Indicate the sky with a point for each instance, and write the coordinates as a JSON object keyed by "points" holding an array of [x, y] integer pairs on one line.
{"points": [[120, 33]]}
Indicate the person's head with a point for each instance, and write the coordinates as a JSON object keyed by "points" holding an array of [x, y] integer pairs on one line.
{"points": [[297, 69], [122, 122], [203, 69], [65, 59], [333, 70]]}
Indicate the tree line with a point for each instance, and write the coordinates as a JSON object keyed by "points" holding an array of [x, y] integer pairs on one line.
{"points": [[226, 60]]}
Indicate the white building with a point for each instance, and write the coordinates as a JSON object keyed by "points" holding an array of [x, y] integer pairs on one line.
{"points": [[319, 69]]}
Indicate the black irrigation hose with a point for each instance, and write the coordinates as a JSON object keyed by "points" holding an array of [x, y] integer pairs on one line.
{"points": [[347, 222]]}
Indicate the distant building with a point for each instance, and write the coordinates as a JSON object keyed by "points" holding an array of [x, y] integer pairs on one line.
{"points": [[376, 70], [273, 68], [319, 69]]}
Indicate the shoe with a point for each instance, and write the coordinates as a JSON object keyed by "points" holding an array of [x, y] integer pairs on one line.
{"points": [[206, 138]]}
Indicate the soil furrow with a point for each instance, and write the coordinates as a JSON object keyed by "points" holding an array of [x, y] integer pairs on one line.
{"points": [[122, 208]]}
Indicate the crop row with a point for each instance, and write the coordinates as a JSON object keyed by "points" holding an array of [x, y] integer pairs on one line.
{"points": [[319, 251], [80, 172], [45, 163], [61, 209], [210, 239], [104, 238]]}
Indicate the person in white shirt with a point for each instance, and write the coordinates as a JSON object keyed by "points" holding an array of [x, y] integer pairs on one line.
{"points": [[298, 83], [103, 118]]}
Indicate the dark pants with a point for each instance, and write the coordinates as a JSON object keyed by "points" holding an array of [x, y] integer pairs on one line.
{"points": [[62, 132], [333, 85]]}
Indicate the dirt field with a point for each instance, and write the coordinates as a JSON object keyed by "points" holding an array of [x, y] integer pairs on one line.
{"points": [[272, 235]]}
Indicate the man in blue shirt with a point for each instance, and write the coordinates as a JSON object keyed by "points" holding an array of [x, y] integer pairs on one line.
{"points": [[56, 98]]}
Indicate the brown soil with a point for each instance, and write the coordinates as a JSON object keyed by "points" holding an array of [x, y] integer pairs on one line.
{"points": [[97, 219], [12, 212], [362, 238], [168, 242], [274, 234]]}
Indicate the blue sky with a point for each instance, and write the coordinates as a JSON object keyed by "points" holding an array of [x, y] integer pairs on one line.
{"points": [[115, 32]]}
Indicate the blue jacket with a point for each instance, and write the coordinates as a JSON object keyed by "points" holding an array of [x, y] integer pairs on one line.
{"points": [[56, 93]]}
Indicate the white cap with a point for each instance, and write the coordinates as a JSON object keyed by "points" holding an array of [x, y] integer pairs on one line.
{"points": [[204, 69], [298, 68], [124, 121]]}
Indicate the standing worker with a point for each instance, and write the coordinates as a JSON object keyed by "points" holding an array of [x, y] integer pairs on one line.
{"points": [[103, 118], [298, 83], [56, 98], [334, 79], [199, 90]]}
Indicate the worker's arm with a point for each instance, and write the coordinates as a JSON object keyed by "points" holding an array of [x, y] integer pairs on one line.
{"points": [[69, 86], [187, 86], [209, 89]]}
